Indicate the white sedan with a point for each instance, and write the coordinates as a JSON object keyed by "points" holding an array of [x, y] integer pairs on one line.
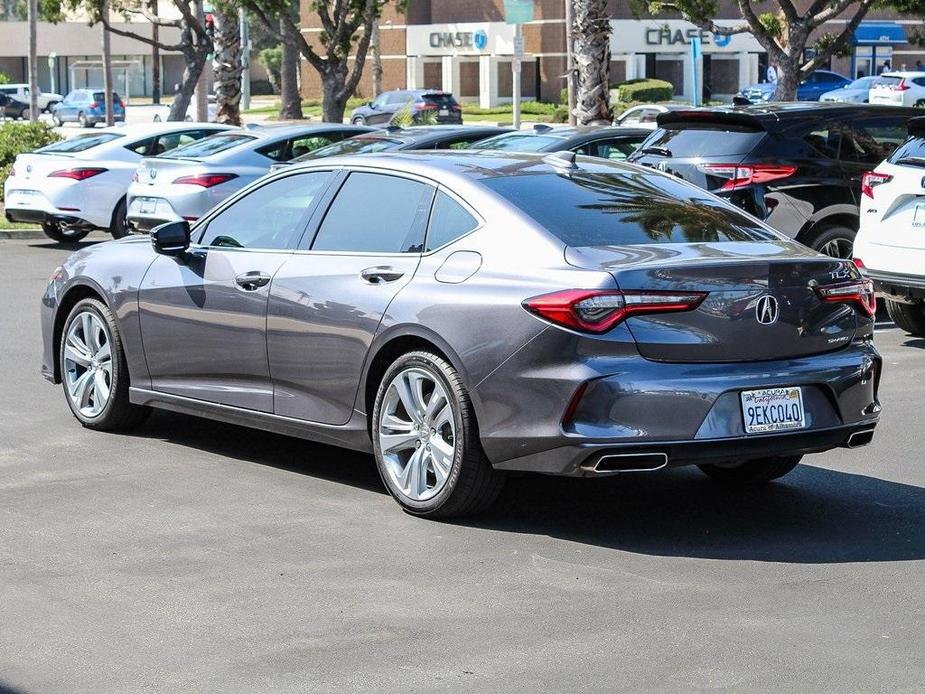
{"points": [[857, 92], [79, 184], [644, 115], [890, 245], [899, 89]]}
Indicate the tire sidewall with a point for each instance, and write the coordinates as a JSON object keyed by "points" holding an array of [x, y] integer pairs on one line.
{"points": [[830, 233], [119, 227], [427, 362], [98, 308]]}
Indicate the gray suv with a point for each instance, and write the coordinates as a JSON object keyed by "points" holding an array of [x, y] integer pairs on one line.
{"points": [[425, 104]]}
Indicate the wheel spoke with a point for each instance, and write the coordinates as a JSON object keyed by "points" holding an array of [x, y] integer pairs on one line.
{"points": [[104, 353], [436, 402], [410, 479], [441, 455], [402, 387], [442, 417], [79, 389], [100, 390], [392, 443], [73, 353]]}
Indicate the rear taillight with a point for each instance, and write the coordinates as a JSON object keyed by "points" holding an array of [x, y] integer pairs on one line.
{"points": [[857, 292], [205, 180], [425, 106], [80, 174], [859, 264], [599, 310], [741, 175], [871, 180], [902, 86], [96, 104]]}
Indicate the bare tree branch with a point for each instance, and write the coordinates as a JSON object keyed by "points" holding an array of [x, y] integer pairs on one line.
{"points": [[138, 37], [822, 56], [153, 18]]}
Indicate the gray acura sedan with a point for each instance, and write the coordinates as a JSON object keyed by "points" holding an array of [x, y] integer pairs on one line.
{"points": [[460, 315]]}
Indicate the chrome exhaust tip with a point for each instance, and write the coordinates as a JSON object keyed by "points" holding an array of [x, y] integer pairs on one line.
{"points": [[629, 462], [860, 438]]}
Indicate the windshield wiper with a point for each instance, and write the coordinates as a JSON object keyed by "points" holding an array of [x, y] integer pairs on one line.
{"points": [[661, 151], [911, 161]]}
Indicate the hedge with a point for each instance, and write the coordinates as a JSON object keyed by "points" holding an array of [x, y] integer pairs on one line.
{"points": [[644, 90], [16, 138]]}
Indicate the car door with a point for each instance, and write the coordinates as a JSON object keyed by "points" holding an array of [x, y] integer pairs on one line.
{"points": [[328, 298], [203, 317], [65, 110], [378, 112]]}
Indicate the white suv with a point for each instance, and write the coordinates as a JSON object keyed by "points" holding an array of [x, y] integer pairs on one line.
{"points": [[46, 100], [899, 89], [890, 245]]}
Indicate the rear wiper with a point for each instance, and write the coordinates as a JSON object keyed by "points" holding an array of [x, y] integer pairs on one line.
{"points": [[661, 151], [911, 161]]}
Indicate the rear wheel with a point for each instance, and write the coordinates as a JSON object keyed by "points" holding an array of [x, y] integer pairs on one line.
{"points": [[359, 120], [908, 317], [118, 227], [920, 103], [82, 120], [62, 234], [836, 241], [94, 371], [24, 114], [752, 471], [426, 440], [57, 121]]}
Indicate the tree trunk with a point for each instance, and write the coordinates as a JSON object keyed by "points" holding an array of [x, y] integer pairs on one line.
{"points": [[334, 99], [107, 70], [291, 100], [273, 79], [194, 55], [788, 79], [32, 10], [376, 53], [592, 58], [155, 57], [226, 65]]}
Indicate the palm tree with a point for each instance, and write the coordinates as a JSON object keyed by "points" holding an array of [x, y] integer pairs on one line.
{"points": [[226, 64], [33, 10], [592, 59]]}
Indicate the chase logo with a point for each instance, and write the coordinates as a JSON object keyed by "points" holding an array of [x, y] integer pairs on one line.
{"points": [[722, 40], [480, 39]]}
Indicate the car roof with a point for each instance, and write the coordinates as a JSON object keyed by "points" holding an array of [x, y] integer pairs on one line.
{"points": [[577, 134], [763, 115], [903, 73], [143, 129], [419, 133], [281, 130]]}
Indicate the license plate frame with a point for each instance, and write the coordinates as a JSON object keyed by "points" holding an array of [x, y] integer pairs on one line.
{"points": [[21, 198], [771, 410], [147, 205], [443, 112]]}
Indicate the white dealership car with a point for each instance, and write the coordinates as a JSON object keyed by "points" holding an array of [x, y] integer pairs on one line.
{"points": [[899, 89], [644, 115], [857, 92], [46, 100], [79, 184], [188, 182], [890, 245]]}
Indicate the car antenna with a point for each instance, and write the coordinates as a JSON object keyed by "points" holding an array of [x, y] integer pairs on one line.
{"points": [[561, 160]]}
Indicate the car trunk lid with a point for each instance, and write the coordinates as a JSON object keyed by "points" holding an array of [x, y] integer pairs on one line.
{"points": [[736, 321]]}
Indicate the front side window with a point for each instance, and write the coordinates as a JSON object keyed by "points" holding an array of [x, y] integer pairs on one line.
{"points": [[376, 213], [448, 221], [271, 217], [872, 140], [208, 146], [617, 149]]}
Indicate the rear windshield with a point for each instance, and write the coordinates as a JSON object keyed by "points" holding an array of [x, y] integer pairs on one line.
{"points": [[516, 142], [208, 146], [442, 100], [910, 153], [355, 145], [887, 81], [702, 140], [80, 143], [604, 209], [99, 96]]}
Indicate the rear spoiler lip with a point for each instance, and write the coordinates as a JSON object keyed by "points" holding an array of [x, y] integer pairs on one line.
{"points": [[916, 126], [704, 116]]}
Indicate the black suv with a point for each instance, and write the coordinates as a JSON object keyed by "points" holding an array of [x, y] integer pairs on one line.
{"points": [[437, 104], [797, 166]]}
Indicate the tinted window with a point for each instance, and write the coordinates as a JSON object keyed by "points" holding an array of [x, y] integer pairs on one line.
{"points": [[516, 142], [399, 98], [705, 139], [80, 143], [870, 141], [608, 209], [887, 81], [826, 139], [100, 96], [448, 221], [308, 143], [273, 216], [912, 152], [354, 145], [376, 213], [209, 146], [440, 99], [463, 141], [616, 150]]}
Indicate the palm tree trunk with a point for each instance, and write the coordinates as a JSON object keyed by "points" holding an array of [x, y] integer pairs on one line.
{"points": [[291, 106], [107, 69], [592, 58], [33, 10], [375, 53], [226, 65]]}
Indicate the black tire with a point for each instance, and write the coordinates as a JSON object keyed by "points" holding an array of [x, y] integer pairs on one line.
{"points": [[118, 414], [24, 114], [83, 121], [831, 238], [359, 120], [908, 317], [920, 103], [757, 471], [57, 233], [119, 227], [50, 108], [57, 121], [472, 484]]}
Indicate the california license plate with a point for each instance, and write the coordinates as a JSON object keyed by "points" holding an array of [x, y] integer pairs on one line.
{"points": [[147, 205], [773, 409], [21, 198], [444, 112]]}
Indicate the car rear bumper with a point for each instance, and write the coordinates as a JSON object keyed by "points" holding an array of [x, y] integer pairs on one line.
{"points": [[38, 216], [154, 215], [897, 286]]}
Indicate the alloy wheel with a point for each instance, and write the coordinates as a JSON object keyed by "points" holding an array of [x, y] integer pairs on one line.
{"points": [[838, 248], [88, 364], [417, 434]]}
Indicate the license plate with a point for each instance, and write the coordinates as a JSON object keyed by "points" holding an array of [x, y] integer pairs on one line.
{"points": [[918, 216], [23, 198], [773, 409], [444, 112], [147, 205]]}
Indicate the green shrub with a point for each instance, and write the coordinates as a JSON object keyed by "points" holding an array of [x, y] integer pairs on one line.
{"points": [[644, 90], [4, 78], [16, 138], [560, 115], [563, 96], [530, 108]]}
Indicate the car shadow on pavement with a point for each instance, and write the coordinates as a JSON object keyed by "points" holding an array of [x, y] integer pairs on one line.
{"points": [[915, 342], [65, 245], [814, 515]]}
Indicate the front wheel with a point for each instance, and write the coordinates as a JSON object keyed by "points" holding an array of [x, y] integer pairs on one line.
{"points": [[83, 121], [61, 234], [24, 114], [835, 241], [94, 371], [920, 103], [752, 471], [908, 317], [426, 440]]}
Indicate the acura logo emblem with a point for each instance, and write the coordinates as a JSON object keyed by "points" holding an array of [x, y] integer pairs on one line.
{"points": [[766, 310]]}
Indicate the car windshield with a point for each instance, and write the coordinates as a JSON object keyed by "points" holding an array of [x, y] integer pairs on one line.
{"points": [[100, 96], [208, 146], [605, 209], [356, 145], [517, 142], [701, 138], [80, 143], [863, 83]]}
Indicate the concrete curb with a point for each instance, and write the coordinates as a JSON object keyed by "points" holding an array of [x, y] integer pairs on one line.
{"points": [[25, 234]]}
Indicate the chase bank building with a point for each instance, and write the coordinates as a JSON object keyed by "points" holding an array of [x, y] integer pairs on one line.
{"points": [[465, 47]]}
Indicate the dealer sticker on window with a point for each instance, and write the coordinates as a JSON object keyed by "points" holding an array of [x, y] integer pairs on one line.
{"points": [[773, 409]]}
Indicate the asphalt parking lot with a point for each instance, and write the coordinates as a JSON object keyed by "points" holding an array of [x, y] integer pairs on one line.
{"points": [[197, 557]]}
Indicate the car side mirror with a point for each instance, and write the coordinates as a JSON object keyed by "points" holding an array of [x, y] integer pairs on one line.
{"points": [[171, 238], [371, 105]]}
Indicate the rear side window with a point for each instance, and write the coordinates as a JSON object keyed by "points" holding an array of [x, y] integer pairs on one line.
{"points": [[620, 209], [704, 140], [376, 213], [515, 142], [448, 221], [870, 141], [912, 151], [615, 150], [441, 100], [80, 143], [208, 146], [355, 145]]}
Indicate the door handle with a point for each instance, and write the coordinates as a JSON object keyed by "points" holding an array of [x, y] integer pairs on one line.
{"points": [[250, 281], [381, 274]]}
